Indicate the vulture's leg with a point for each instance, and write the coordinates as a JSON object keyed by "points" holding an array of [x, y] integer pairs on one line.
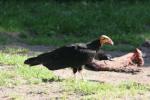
{"points": [[74, 72], [80, 71]]}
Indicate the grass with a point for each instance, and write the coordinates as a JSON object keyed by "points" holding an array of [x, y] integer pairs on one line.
{"points": [[8, 78], [103, 90], [50, 22], [32, 75], [20, 74], [15, 50]]}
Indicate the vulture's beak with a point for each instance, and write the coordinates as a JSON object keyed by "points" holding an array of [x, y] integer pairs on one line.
{"points": [[110, 42]]}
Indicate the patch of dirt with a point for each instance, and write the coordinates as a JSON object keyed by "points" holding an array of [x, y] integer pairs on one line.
{"points": [[43, 91], [109, 77]]}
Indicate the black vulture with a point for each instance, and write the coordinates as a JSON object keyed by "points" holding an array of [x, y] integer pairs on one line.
{"points": [[74, 55]]}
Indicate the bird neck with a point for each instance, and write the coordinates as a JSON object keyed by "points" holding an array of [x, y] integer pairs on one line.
{"points": [[94, 45]]}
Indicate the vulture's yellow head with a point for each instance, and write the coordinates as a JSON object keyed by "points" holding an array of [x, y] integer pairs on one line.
{"points": [[105, 40]]}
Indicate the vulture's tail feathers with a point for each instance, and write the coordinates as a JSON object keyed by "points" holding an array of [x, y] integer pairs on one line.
{"points": [[32, 61]]}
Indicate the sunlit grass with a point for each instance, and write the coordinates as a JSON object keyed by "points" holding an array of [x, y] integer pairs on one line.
{"points": [[104, 90], [8, 78], [10, 59], [15, 50], [32, 75]]}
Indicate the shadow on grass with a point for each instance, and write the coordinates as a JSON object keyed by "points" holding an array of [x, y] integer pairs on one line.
{"points": [[61, 80], [52, 80], [97, 81]]}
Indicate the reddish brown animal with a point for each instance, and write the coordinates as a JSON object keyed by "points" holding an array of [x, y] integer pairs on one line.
{"points": [[127, 63]]}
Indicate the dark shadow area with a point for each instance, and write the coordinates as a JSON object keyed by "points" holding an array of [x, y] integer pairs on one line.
{"points": [[67, 1], [148, 75], [52, 80], [98, 81]]}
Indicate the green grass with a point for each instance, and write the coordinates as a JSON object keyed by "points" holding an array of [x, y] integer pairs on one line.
{"points": [[104, 90], [57, 23], [30, 74], [8, 78], [121, 47], [15, 50]]}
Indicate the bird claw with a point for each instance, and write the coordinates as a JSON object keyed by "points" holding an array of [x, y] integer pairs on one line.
{"points": [[105, 62]]}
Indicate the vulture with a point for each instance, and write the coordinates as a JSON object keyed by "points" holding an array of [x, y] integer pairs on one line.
{"points": [[74, 55]]}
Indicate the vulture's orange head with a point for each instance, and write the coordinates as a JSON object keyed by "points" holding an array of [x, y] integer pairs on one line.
{"points": [[105, 40]]}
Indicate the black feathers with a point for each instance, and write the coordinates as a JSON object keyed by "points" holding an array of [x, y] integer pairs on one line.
{"points": [[73, 56]]}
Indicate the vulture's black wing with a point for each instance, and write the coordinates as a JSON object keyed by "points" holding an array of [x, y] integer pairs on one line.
{"points": [[66, 56]]}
